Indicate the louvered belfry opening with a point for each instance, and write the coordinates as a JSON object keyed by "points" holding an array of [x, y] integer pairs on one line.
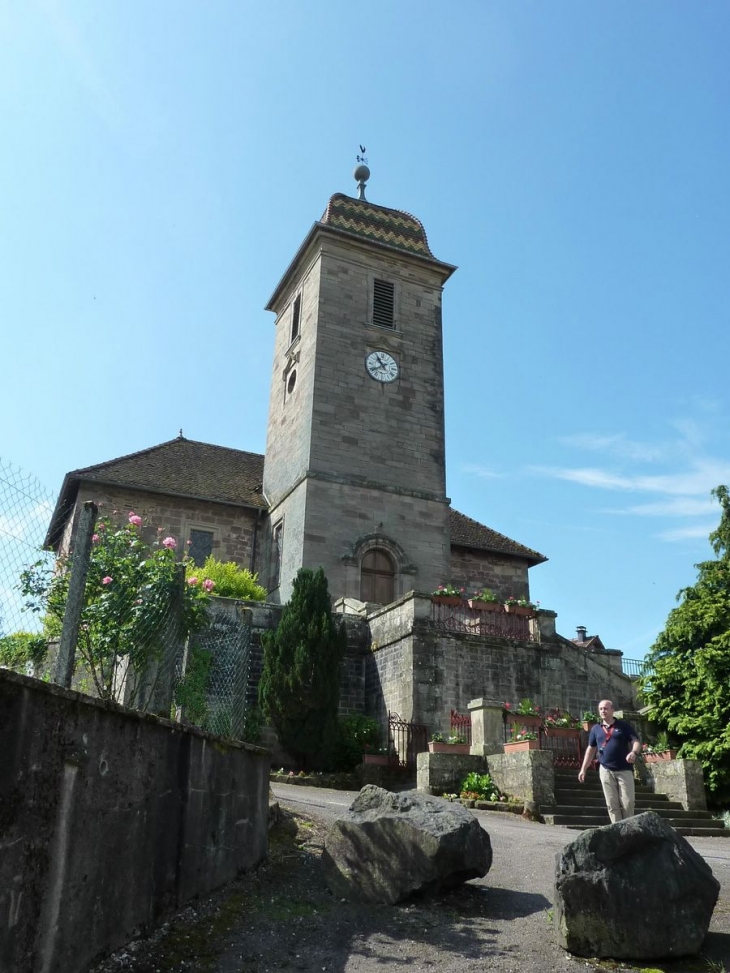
{"points": [[383, 299], [377, 578]]}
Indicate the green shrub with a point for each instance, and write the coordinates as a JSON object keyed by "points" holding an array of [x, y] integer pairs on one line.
{"points": [[481, 784], [192, 691], [299, 690], [20, 649], [355, 735], [229, 580]]}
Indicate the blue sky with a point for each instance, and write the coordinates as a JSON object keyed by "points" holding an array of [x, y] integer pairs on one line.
{"points": [[162, 163]]}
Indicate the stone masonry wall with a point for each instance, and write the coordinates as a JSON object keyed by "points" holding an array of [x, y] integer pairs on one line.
{"points": [[473, 569], [234, 528], [428, 673]]}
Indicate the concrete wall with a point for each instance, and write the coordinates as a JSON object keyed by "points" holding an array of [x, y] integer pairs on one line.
{"points": [[110, 821]]}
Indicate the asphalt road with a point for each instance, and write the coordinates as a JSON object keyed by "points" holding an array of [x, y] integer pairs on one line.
{"points": [[524, 869]]}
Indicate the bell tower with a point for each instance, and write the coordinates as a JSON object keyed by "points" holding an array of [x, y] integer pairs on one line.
{"points": [[354, 473]]}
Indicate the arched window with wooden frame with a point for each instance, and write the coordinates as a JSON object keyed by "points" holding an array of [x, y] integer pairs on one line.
{"points": [[377, 577]]}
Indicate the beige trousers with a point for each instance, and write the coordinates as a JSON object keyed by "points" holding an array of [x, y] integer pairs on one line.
{"points": [[618, 789]]}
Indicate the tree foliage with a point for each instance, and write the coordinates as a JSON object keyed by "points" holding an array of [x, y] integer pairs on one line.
{"points": [[128, 600], [22, 651], [687, 680], [300, 682]]}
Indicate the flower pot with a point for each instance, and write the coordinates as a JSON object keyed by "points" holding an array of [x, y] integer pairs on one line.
{"points": [[381, 759], [484, 606], [435, 746], [527, 721], [454, 600], [655, 758], [520, 610], [562, 731], [518, 745], [588, 725]]}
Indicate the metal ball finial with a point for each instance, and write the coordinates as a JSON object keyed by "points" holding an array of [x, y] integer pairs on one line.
{"points": [[361, 173]]}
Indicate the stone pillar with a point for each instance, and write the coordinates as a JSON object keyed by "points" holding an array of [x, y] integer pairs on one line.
{"points": [[487, 727], [680, 780]]}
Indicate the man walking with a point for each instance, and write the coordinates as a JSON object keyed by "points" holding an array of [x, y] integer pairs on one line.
{"points": [[617, 745]]}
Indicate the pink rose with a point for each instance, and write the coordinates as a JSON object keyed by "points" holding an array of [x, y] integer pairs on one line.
{"points": [[101, 526], [508, 705], [135, 519], [208, 584], [106, 580], [170, 543], [192, 580], [95, 538]]}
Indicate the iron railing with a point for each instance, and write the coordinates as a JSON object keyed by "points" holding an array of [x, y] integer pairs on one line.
{"points": [[461, 726], [405, 741], [634, 667], [471, 621]]}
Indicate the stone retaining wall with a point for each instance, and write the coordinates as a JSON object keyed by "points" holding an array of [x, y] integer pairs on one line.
{"points": [[110, 821]]}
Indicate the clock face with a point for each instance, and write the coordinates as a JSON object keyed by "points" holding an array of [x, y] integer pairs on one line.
{"points": [[381, 366]]}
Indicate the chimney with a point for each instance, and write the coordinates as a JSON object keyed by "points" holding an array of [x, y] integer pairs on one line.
{"points": [[581, 631]]}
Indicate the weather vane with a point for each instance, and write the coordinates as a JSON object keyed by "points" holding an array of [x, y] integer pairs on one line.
{"points": [[361, 173]]}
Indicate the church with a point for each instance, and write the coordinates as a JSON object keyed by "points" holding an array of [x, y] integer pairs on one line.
{"points": [[354, 480], [354, 476]]}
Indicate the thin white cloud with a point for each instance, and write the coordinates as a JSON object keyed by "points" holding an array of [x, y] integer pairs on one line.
{"points": [[696, 482], [615, 445], [482, 471], [676, 507], [687, 533]]}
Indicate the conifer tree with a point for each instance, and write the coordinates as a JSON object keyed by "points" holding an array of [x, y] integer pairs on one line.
{"points": [[687, 679], [300, 683]]}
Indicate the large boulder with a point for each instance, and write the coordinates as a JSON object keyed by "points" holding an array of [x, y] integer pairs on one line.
{"points": [[388, 846], [633, 890]]}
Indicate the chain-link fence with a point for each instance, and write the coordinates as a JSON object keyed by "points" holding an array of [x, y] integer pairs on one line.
{"points": [[222, 653], [25, 512], [117, 619]]}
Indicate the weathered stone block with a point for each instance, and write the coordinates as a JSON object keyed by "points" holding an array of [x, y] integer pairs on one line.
{"points": [[389, 846], [633, 890]]}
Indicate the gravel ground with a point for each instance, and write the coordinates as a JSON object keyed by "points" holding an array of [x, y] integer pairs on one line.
{"points": [[282, 916]]}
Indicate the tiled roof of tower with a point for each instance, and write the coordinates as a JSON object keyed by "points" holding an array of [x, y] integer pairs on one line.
{"points": [[392, 227], [187, 468], [466, 532]]}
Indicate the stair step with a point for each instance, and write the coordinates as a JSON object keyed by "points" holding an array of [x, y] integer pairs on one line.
{"points": [[703, 832], [646, 803], [596, 809], [681, 829]]}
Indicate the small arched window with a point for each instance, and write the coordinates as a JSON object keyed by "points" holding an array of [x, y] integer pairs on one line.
{"points": [[377, 577]]}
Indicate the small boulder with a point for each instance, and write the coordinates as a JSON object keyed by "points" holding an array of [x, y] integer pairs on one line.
{"points": [[388, 846], [633, 890]]}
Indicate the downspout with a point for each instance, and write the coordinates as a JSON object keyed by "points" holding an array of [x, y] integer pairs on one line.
{"points": [[255, 540]]}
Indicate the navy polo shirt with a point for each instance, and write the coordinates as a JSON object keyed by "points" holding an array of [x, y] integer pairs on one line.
{"points": [[616, 744]]}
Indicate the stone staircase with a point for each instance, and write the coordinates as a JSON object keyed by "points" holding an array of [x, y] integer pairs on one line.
{"points": [[581, 806]]}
